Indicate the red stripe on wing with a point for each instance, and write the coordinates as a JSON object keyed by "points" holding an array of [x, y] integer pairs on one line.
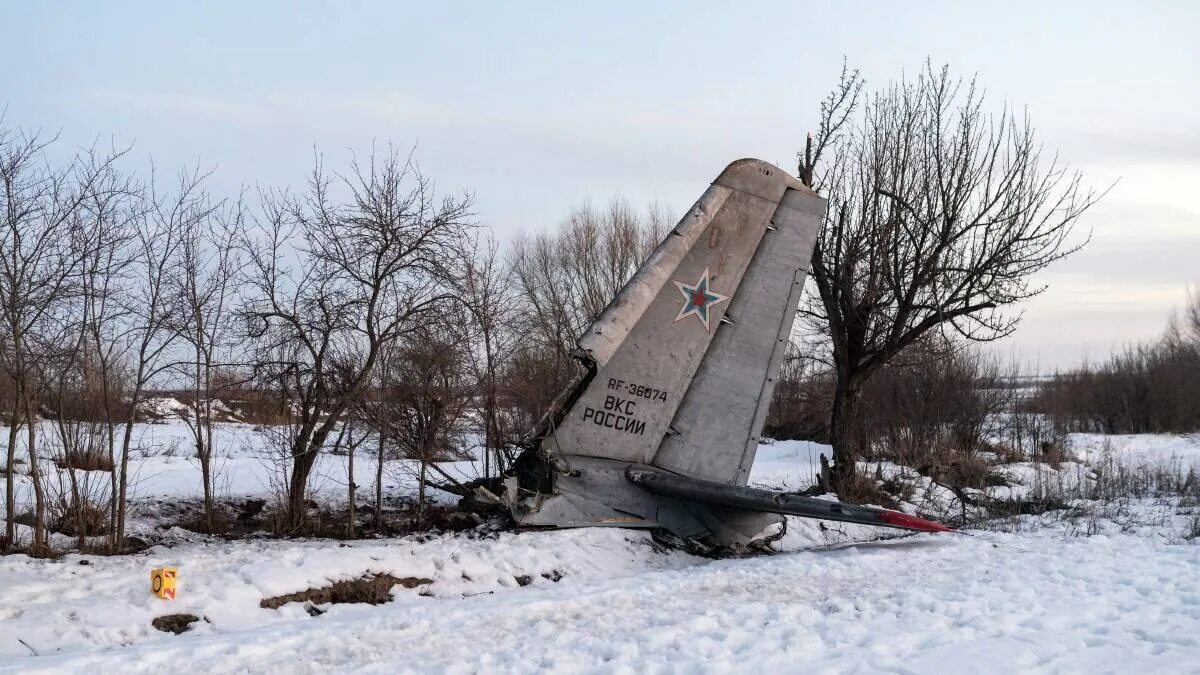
{"points": [[912, 522]]}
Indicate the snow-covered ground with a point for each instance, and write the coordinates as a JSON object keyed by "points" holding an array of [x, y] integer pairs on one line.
{"points": [[1182, 449], [1031, 596], [163, 467], [993, 602]]}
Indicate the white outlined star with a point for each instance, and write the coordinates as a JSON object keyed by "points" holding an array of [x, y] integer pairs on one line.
{"points": [[698, 299]]}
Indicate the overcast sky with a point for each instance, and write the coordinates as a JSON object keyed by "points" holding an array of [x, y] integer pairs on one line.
{"points": [[537, 107]]}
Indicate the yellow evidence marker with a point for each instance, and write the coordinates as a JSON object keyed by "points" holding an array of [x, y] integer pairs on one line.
{"points": [[162, 582]]}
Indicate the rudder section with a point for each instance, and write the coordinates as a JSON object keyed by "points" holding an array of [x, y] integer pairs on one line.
{"points": [[715, 430]]}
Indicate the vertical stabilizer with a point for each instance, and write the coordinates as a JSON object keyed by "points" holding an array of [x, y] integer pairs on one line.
{"points": [[681, 367], [672, 358], [722, 414]]}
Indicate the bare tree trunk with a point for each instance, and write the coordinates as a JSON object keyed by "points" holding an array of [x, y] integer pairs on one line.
{"points": [[126, 441], [305, 449], [201, 419], [35, 474], [302, 464], [846, 397], [77, 503], [209, 447], [123, 483], [10, 497], [110, 440], [350, 486], [491, 441], [379, 480], [421, 493]]}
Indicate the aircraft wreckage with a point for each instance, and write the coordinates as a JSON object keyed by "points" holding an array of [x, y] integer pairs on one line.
{"points": [[660, 428]]}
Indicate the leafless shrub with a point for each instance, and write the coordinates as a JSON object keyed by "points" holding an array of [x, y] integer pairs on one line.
{"points": [[1192, 532], [802, 400], [170, 449], [945, 410], [934, 401], [865, 490], [1113, 491], [85, 459], [1170, 477], [430, 399], [79, 490], [1022, 434], [1145, 388], [79, 518]]}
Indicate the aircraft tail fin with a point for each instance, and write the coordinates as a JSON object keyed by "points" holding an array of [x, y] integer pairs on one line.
{"points": [[661, 429], [682, 361]]}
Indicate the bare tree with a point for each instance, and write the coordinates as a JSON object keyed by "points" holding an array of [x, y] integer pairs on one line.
{"points": [[432, 396], [207, 262], [939, 214], [1183, 326], [105, 235], [368, 271], [1191, 314], [84, 363], [568, 276], [489, 297], [374, 410], [152, 307], [39, 266]]}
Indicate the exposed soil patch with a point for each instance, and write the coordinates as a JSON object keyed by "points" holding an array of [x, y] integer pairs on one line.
{"points": [[234, 519], [372, 589], [81, 516], [174, 623], [16, 462], [87, 459]]}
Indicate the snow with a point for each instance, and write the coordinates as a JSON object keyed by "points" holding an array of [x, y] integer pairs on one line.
{"points": [[66, 606], [164, 407], [787, 465], [1183, 449], [994, 602], [163, 467], [1098, 588], [167, 407]]}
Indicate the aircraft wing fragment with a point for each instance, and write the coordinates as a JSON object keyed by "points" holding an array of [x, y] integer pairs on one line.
{"points": [[768, 501]]}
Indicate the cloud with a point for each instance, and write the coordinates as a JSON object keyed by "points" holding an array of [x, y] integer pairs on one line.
{"points": [[1173, 143]]}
